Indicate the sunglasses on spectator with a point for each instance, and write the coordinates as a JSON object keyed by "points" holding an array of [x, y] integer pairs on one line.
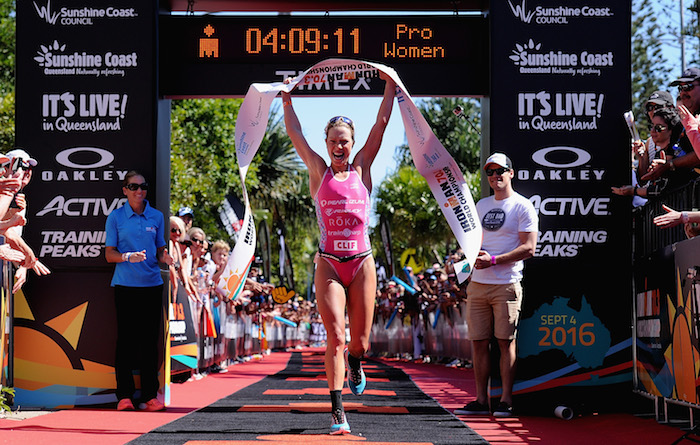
{"points": [[499, 171], [133, 186], [198, 241], [175, 231], [686, 86], [347, 120], [653, 107], [658, 128]]}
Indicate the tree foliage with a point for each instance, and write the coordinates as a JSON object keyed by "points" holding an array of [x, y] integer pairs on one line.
{"points": [[7, 75], [204, 170], [203, 165], [455, 133], [650, 69], [404, 198], [7, 46], [407, 203]]}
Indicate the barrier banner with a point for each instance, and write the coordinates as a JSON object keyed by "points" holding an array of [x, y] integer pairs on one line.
{"points": [[385, 232], [558, 95], [430, 157], [667, 309], [183, 339]]}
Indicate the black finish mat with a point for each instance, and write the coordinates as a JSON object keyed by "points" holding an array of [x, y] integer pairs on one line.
{"points": [[293, 406]]}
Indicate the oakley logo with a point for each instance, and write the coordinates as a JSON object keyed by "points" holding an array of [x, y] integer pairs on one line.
{"points": [[580, 157], [105, 157]]}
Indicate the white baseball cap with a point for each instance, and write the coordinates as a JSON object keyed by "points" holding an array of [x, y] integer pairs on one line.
{"points": [[499, 159], [23, 155]]}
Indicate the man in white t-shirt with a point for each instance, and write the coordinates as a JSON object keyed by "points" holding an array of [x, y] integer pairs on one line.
{"points": [[494, 295]]}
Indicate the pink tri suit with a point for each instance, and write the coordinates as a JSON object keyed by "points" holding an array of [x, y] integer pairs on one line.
{"points": [[342, 211]]}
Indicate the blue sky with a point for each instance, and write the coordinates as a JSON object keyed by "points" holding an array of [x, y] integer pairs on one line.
{"points": [[314, 114]]}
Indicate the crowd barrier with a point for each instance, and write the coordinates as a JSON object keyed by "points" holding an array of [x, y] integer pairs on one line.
{"points": [[242, 335], [423, 335], [666, 306], [6, 340]]}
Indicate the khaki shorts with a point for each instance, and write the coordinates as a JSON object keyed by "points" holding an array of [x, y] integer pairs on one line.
{"points": [[493, 309]]}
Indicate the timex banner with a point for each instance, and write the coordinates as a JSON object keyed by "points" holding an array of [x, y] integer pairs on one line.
{"points": [[86, 110], [560, 85]]}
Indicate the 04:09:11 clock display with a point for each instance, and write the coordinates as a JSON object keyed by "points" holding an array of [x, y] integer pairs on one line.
{"points": [[301, 41]]}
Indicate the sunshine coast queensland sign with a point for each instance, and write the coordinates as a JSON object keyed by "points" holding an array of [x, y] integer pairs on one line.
{"points": [[86, 110], [558, 93]]}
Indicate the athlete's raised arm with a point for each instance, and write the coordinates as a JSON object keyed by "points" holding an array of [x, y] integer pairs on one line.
{"points": [[314, 162], [365, 157]]}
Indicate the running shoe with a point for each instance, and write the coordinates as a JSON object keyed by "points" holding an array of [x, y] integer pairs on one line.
{"points": [[339, 424], [356, 377], [474, 409], [503, 410], [152, 405], [125, 405]]}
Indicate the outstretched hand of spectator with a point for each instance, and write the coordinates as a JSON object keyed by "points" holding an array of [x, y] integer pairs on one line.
{"points": [[7, 253], [41, 269], [656, 168], [20, 279], [10, 186], [669, 219], [21, 201]]}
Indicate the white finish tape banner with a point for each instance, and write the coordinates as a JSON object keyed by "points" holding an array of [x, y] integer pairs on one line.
{"points": [[432, 160]]}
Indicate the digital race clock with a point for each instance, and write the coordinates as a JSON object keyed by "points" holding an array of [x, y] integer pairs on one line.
{"points": [[209, 55]]}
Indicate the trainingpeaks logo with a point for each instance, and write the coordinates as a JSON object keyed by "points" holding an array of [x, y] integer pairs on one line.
{"points": [[557, 15]]}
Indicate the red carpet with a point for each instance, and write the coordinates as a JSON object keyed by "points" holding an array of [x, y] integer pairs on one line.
{"points": [[450, 387], [110, 427], [453, 388]]}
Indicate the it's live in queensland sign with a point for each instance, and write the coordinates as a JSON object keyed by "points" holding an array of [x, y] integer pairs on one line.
{"points": [[557, 102]]}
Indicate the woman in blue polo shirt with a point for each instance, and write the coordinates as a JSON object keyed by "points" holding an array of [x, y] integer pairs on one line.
{"points": [[136, 243]]}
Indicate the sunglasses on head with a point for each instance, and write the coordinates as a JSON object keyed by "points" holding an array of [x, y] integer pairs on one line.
{"points": [[347, 120], [658, 128], [499, 171], [133, 186], [686, 86]]}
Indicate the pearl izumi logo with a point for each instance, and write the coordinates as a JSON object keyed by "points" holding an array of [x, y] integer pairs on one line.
{"points": [[84, 16], [558, 15], [533, 60], [56, 61]]}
